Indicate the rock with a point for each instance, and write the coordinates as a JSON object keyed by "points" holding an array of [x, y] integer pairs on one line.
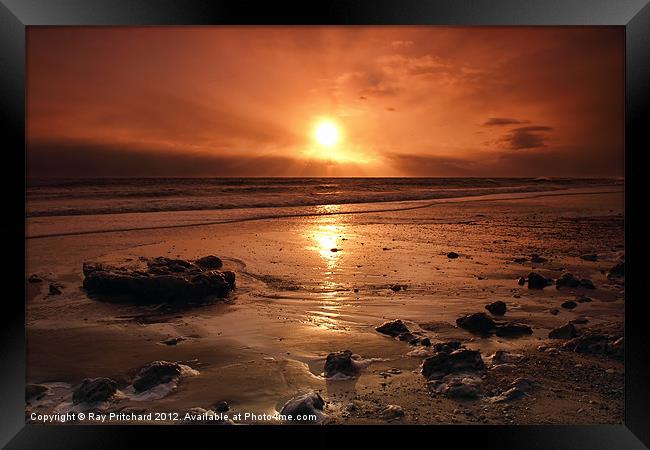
{"points": [[452, 255], [476, 323], [396, 288], [537, 259], [409, 337], [512, 329], [392, 412], [446, 347], [94, 390], [618, 271], [209, 262], [305, 405], [536, 281], [521, 260], [584, 299], [554, 311], [506, 367], [165, 279], [568, 331], [55, 290], [567, 280], [155, 373], [35, 392], [501, 356], [393, 328], [426, 342], [508, 396], [441, 364], [34, 279], [521, 281], [463, 387], [334, 250], [221, 406], [589, 257], [497, 308], [340, 363], [597, 344], [587, 283], [569, 304], [172, 340]]}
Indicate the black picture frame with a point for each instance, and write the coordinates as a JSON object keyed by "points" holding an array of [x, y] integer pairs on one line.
{"points": [[16, 15]]}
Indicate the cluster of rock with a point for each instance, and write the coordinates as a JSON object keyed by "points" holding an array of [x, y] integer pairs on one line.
{"points": [[481, 323], [598, 344], [537, 281], [398, 329], [163, 280], [98, 390]]}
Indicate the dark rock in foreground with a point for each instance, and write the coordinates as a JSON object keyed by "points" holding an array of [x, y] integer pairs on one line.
{"points": [[461, 360], [568, 280], [172, 340], [497, 308], [452, 255], [409, 337], [340, 363], [155, 373], [567, 331], [35, 391], [393, 328], [164, 279], [457, 386], [618, 271], [481, 323], [569, 304], [476, 323], [222, 406], [536, 281], [512, 329], [34, 279], [589, 257], [446, 347], [597, 344], [94, 390], [305, 405], [209, 262], [55, 290]]}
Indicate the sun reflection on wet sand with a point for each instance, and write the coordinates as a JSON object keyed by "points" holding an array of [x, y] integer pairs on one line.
{"points": [[326, 235]]}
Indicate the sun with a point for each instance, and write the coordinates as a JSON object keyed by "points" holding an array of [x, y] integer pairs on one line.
{"points": [[327, 133]]}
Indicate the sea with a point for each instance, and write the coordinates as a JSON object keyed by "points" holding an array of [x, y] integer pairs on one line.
{"points": [[50, 197]]}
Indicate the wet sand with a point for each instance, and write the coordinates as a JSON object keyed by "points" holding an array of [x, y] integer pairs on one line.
{"points": [[297, 300]]}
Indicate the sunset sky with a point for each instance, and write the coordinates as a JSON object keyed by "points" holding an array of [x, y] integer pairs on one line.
{"points": [[325, 101]]}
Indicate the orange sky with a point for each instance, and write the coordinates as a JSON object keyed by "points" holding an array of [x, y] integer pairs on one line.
{"points": [[244, 101]]}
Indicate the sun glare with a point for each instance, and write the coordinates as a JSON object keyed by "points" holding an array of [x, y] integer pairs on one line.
{"points": [[327, 133]]}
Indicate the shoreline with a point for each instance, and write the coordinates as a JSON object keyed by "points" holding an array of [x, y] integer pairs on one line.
{"points": [[429, 203]]}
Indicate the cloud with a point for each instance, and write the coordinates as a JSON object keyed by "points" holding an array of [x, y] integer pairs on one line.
{"points": [[526, 137], [498, 121]]}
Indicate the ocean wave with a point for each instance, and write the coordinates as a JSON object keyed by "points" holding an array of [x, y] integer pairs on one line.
{"points": [[116, 196]]}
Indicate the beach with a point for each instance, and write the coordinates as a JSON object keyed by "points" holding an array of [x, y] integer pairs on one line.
{"points": [[319, 277]]}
